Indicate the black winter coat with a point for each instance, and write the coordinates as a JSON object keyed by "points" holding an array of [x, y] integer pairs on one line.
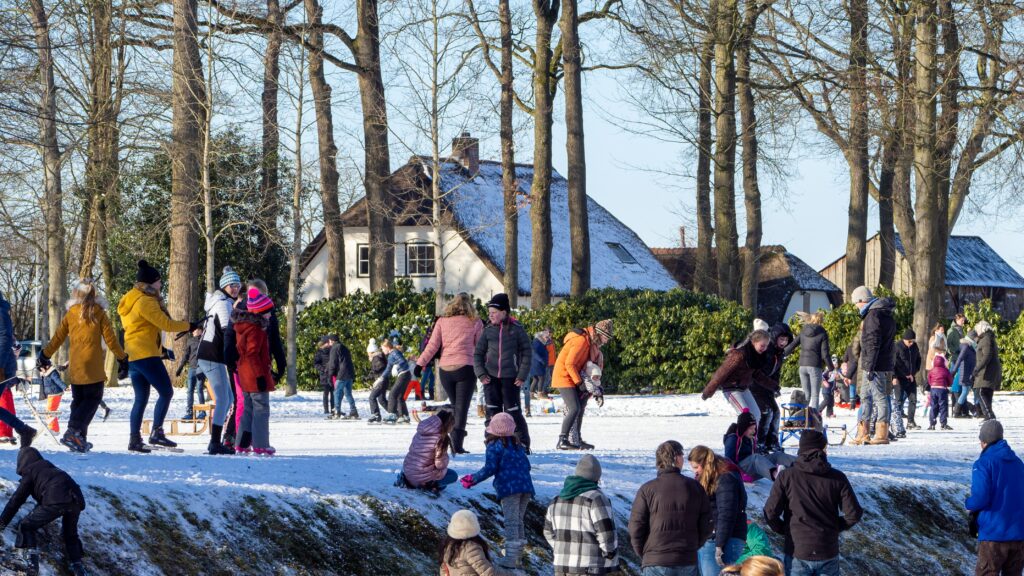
{"points": [[45, 483], [877, 339], [729, 509], [805, 505], [340, 363], [670, 520], [988, 371], [320, 361], [503, 351], [908, 361], [813, 344], [191, 356]]}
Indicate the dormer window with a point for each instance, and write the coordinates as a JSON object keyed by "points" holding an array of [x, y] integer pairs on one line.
{"points": [[621, 253]]}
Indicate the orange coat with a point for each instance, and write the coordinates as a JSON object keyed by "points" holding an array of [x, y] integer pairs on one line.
{"points": [[577, 350]]}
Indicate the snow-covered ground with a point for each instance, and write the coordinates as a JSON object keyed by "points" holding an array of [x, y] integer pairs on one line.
{"points": [[321, 460]]}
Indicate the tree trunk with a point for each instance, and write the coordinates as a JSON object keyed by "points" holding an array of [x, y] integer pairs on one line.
{"points": [[579, 224], [187, 96], [296, 251], [857, 156], [269, 186], [509, 184], [544, 88], [704, 275], [328, 153], [726, 237], [375, 147], [903, 208], [886, 229], [751, 190], [436, 197], [209, 236], [946, 136], [52, 190]]}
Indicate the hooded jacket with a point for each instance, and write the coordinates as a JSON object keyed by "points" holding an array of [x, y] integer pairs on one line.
{"points": [[218, 310], [320, 362], [339, 363], [576, 352], [503, 351], [8, 361], [907, 363], [813, 344], [742, 367], [45, 483], [670, 520], [939, 376], [143, 318], [877, 340], [423, 463], [471, 561], [804, 506], [988, 371], [966, 360], [996, 494], [87, 355], [253, 352]]}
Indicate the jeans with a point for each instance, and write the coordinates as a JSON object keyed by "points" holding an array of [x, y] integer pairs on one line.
{"points": [[85, 400], [798, 567], [40, 516], [502, 395], [195, 384], [965, 389], [670, 571], [896, 413], [145, 373], [427, 382], [810, 381], [940, 406], [706, 555], [875, 397], [220, 384], [344, 388]]}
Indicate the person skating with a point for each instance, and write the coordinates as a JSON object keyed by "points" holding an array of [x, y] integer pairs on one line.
{"points": [[670, 518], [988, 370], [579, 348], [254, 374], [724, 487], [426, 464], [906, 365], [463, 552], [963, 372], [57, 496], [144, 316], [580, 524], [379, 386], [877, 338], [805, 505], [506, 460], [9, 372], [343, 374], [398, 373], [740, 447], [996, 505], [538, 369], [214, 349], [194, 377], [321, 361], [501, 362], [814, 354], [455, 335], [86, 327], [743, 364], [939, 381]]}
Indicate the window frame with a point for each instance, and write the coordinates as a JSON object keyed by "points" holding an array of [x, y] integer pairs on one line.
{"points": [[359, 261], [616, 247], [408, 267]]}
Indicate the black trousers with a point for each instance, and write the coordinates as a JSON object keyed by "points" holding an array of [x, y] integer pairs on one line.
{"points": [[502, 395], [460, 386], [828, 401], [985, 396], [910, 393], [378, 396], [41, 516], [328, 400], [85, 400], [396, 400]]}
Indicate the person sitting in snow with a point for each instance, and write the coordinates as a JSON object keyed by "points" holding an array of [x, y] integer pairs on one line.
{"points": [[57, 496], [741, 448], [426, 464], [463, 552]]}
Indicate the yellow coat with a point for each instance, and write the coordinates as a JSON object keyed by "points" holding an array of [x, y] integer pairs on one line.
{"points": [[143, 320], [85, 364]]}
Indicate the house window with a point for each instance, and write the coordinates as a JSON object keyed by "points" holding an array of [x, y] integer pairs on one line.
{"points": [[621, 253], [362, 260], [419, 259]]}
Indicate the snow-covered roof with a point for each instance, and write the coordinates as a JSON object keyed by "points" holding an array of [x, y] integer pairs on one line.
{"points": [[970, 261], [619, 258]]}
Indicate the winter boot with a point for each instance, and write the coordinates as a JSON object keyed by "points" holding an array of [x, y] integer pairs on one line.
{"points": [[74, 441], [458, 437], [862, 434], [26, 434], [215, 447], [353, 415], [931, 427], [157, 438], [947, 427], [136, 445], [564, 444], [881, 434], [78, 569], [373, 419]]}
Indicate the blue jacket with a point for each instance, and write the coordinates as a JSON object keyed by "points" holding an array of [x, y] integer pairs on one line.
{"points": [[396, 358], [8, 361], [734, 453], [996, 494], [539, 360], [510, 467], [965, 362]]}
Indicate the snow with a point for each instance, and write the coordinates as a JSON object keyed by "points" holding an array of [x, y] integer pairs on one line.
{"points": [[970, 261], [808, 278], [478, 205], [340, 460]]}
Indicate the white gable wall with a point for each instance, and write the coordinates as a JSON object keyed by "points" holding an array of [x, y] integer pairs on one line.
{"points": [[815, 300]]}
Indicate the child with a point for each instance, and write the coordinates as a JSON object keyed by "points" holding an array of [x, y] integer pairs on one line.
{"points": [[463, 552], [939, 381], [190, 359], [592, 382], [741, 448], [756, 566], [378, 391], [56, 496], [426, 464], [321, 363], [399, 373], [254, 374], [506, 460], [830, 380]]}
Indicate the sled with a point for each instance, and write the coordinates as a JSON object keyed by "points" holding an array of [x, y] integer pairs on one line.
{"points": [[190, 426], [39, 416]]}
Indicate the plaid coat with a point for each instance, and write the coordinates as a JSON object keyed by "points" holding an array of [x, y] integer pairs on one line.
{"points": [[581, 532]]}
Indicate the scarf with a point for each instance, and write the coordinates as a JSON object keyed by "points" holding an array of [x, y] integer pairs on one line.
{"points": [[576, 485]]}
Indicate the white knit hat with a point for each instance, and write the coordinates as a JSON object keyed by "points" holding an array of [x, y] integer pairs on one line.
{"points": [[463, 525], [861, 294], [760, 324], [372, 347]]}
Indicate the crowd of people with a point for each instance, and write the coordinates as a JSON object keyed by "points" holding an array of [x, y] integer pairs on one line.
{"points": [[677, 525]]}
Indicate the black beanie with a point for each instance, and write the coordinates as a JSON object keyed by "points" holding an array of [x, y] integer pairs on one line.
{"points": [[811, 440], [499, 301], [909, 334], [146, 274], [744, 422]]}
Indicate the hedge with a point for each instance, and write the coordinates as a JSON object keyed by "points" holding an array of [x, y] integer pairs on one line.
{"points": [[664, 341]]}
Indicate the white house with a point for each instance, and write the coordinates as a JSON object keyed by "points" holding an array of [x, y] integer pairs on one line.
{"points": [[474, 244]]}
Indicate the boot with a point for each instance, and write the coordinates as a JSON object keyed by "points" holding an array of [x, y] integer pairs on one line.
{"points": [[157, 438], [136, 445], [73, 440], [862, 434], [26, 435], [352, 415], [216, 447], [564, 444], [881, 434], [458, 439]]}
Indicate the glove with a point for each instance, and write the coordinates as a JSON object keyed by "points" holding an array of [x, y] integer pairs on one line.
{"points": [[193, 325], [719, 553], [43, 361], [167, 354], [870, 376], [705, 395], [417, 371], [467, 481], [122, 369], [261, 384], [599, 400]]}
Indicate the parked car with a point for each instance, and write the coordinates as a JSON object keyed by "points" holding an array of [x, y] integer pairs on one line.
{"points": [[30, 350]]}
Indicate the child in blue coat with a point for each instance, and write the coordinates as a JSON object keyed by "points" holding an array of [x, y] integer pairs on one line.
{"points": [[506, 460]]}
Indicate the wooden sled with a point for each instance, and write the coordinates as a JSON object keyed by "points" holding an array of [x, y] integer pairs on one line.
{"points": [[189, 426]]}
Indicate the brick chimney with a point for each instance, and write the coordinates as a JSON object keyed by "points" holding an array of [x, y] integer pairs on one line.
{"points": [[466, 150], [682, 236]]}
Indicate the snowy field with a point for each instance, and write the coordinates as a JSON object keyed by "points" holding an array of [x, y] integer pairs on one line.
{"points": [[338, 459]]}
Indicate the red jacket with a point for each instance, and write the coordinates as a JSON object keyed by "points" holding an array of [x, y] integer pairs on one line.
{"points": [[253, 352], [939, 376]]}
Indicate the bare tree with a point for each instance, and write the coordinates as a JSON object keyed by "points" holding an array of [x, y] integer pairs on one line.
{"points": [[544, 87], [751, 188], [726, 237], [579, 222]]}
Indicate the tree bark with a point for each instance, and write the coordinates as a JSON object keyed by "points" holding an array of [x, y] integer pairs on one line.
{"points": [[544, 86], [509, 183], [946, 135], [328, 153], [751, 190], [437, 194], [579, 224], [375, 146], [726, 237], [296, 251], [52, 189], [857, 156], [271, 141], [704, 274]]}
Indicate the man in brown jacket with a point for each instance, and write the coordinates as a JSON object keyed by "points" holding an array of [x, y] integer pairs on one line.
{"points": [[671, 518]]}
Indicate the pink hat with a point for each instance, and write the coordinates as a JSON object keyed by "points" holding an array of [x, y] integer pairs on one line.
{"points": [[502, 424], [258, 302]]}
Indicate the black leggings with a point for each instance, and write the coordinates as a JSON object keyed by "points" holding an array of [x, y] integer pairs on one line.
{"points": [[396, 400], [378, 396], [460, 386], [85, 399], [502, 395], [328, 400], [985, 395], [573, 408]]}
